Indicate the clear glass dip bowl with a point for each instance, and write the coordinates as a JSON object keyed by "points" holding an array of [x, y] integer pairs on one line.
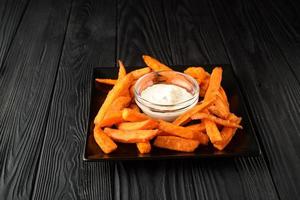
{"points": [[167, 112]]}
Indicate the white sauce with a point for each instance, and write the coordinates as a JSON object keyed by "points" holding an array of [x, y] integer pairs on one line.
{"points": [[165, 94]]}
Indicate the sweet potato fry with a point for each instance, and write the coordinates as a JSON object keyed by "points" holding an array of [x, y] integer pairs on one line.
{"points": [[134, 107], [214, 83], [114, 116], [142, 125], [140, 72], [197, 72], [133, 116], [122, 70], [106, 81], [202, 138], [110, 119], [184, 118], [175, 130], [176, 143], [120, 86], [219, 108], [197, 127], [103, 141], [217, 120], [203, 86], [227, 133], [144, 147], [134, 136], [154, 64], [212, 131]]}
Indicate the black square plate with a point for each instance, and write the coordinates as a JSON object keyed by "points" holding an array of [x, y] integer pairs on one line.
{"points": [[244, 143]]}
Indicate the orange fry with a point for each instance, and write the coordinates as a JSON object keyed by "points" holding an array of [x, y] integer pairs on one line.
{"points": [[133, 116], [197, 127], [114, 115], [219, 108], [140, 72], [103, 141], [175, 130], [214, 83], [227, 133], [176, 143], [120, 86], [154, 64], [142, 125], [184, 118], [111, 119], [144, 147], [197, 72], [134, 136], [217, 120], [122, 70], [212, 131], [106, 81], [202, 138], [203, 86], [134, 107]]}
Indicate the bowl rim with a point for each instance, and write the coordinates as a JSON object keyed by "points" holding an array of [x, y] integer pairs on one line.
{"points": [[193, 80]]}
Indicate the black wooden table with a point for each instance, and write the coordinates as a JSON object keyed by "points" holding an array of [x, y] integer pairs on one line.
{"points": [[49, 48]]}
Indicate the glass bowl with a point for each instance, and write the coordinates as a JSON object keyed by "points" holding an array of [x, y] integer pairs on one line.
{"points": [[167, 112]]}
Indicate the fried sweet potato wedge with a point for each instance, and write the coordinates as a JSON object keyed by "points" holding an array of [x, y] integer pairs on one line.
{"points": [[212, 131], [106, 144], [122, 70], [121, 86], [133, 116], [175, 130], [144, 147], [184, 118], [214, 83], [140, 72], [197, 72], [142, 125], [219, 108], [217, 120], [227, 133], [134, 107], [197, 127], [106, 81], [204, 86], [201, 137], [154, 64], [134, 136], [114, 116], [176, 143]]}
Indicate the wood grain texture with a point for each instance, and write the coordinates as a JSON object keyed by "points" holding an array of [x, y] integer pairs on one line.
{"points": [[283, 19], [89, 43], [11, 13], [271, 89], [26, 83], [182, 32]]}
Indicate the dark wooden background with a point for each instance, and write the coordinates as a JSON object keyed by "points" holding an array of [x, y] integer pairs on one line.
{"points": [[48, 50]]}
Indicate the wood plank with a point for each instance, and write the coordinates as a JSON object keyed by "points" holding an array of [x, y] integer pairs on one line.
{"points": [[90, 42], [27, 79], [270, 86], [182, 32], [11, 13], [283, 19]]}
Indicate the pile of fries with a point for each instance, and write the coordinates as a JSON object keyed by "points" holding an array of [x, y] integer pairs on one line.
{"points": [[120, 120]]}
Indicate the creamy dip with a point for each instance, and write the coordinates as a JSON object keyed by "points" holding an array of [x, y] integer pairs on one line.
{"points": [[165, 94]]}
